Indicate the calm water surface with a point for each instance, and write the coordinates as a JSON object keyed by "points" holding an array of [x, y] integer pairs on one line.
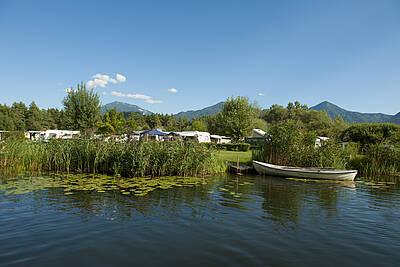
{"points": [[230, 221]]}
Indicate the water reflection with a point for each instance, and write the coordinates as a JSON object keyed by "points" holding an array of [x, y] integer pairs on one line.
{"points": [[224, 220], [283, 201]]}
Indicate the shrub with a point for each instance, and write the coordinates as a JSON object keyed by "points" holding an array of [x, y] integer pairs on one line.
{"points": [[234, 146]]}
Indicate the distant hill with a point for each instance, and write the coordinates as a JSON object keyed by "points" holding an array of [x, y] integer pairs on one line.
{"points": [[190, 114], [351, 116], [395, 118], [125, 107]]}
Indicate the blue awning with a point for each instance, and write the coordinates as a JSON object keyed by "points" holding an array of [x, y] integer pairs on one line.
{"points": [[154, 132]]}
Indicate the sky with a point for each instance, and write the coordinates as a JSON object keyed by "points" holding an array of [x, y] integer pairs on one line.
{"points": [[172, 56]]}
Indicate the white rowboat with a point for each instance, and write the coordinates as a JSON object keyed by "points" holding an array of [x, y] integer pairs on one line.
{"points": [[308, 173]]}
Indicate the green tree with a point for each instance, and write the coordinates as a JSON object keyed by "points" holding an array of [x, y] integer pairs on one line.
{"points": [[154, 121], [372, 133], [82, 109], [34, 118], [237, 117], [199, 125], [112, 123], [130, 124], [19, 111]]}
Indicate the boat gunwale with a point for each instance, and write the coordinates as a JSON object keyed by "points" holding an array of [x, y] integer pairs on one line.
{"points": [[299, 169]]}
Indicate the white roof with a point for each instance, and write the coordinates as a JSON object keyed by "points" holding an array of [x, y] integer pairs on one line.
{"points": [[259, 132], [219, 136], [61, 132], [192, 133]]}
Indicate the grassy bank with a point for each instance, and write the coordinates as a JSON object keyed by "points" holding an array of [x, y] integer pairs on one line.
{"points": [[132, 159], [232, 156]]}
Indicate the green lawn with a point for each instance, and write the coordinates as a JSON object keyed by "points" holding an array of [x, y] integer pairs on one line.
{"points": [[244, 157]]}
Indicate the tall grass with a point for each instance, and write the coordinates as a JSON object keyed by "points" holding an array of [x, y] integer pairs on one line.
{"points": [[287, 145], [130, 159], [378, 160]]}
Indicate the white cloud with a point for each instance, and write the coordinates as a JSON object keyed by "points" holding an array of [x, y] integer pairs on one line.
{"points": [[96, 82], [260, 94], [173, 90], [121, 78], [118, 94], [151, 101], [101, 80], [147, 98]]}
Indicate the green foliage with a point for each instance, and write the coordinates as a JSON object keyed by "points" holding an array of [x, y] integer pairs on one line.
{"points": [[288, 145], [308, 120], [234, 146], [378, 160], [33, 118], [259, 123], [82, 109], [237, 118], [130, 159], [111, 123], [198, 125], [369, 134], [18, 135]]}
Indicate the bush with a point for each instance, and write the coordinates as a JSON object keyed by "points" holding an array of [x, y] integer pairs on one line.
{"points": [[13, 135], [372, 133], [234, 147]]}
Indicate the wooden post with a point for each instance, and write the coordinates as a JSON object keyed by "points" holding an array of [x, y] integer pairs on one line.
{"points": [[237, 165]]}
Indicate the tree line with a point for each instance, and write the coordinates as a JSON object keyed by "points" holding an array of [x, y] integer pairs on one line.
{"points": [[82, 111]]}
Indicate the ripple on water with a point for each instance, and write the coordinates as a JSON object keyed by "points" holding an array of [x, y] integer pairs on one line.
{"points": [[249, 221]]}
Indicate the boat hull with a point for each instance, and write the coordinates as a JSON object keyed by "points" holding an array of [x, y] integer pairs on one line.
{"points": [[305, 173]]}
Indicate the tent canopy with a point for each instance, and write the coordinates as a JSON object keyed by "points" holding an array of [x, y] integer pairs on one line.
{"points": [[154, 132]]}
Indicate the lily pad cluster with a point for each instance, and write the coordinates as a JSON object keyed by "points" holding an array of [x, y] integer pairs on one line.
{"points": [[378, 184], [73, 183], [235, 189]]}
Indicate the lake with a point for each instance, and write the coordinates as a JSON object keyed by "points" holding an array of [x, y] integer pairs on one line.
{"points": [[220, 221]]}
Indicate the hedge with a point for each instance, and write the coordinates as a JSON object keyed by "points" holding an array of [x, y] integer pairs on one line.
{"points": [[234, 147]]}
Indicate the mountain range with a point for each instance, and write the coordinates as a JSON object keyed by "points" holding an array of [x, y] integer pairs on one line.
{"points": [[125, 107], [190, 114], [351, 116], [331, 109]]}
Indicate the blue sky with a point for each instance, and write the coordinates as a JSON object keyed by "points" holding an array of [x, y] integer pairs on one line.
{"points": [[346, 52]]}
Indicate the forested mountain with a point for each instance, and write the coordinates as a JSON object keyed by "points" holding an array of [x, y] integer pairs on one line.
{"points": [[395, 118], [351, 116], [211, 110], [125, 107]]}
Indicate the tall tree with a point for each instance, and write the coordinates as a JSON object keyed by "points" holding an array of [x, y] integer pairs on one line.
{"points": [[238, 117], [33, 120], [19, 111], [82, 109]]}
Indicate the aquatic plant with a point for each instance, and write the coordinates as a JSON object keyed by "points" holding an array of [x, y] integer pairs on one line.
{"points": [[74, 183], [378, 160], [131, 159]]}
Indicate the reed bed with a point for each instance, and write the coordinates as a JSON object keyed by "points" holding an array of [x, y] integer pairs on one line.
{"points": [[131, 159], [373, 161], [378, 160]]}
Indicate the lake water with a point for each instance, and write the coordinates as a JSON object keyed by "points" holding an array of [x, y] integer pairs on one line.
{"points": [[227, 221]]}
